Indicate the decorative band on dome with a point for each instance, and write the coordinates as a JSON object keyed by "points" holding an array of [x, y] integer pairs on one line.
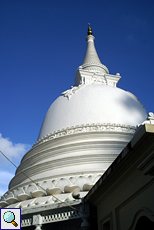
{"points": [[86, 128]]}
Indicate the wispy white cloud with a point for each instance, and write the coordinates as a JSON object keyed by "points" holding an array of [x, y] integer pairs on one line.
{"points": [[14, 151], [10, 149], [4, 182]]}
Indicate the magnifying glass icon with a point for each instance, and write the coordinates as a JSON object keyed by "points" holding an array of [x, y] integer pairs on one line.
{"points": [[9, 217]]}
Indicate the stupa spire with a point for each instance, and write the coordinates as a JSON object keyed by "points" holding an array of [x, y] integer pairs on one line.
{"points": [[92, 71], [91, 59]]}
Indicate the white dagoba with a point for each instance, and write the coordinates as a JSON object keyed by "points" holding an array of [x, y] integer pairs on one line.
{"points": [[82, 133]]}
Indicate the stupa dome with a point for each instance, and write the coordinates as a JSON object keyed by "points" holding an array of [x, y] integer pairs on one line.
{"points": [[95, 103]]}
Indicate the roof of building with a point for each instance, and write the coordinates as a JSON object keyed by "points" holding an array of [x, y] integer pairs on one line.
{"points": [[142, 139]]}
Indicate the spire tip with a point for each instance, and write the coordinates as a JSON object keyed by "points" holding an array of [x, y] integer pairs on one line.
{"points": [[89, 30]]}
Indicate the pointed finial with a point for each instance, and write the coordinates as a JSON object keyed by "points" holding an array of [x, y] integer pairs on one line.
{"points": [[89, 30]]}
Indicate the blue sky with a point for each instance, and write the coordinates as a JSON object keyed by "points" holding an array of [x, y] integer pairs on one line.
{"points": [[42, 43]]}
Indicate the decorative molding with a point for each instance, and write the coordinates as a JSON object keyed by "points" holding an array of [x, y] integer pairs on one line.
{"points": [[93, 73], [27, 221], [146, 162], [37, 219], [86, 128], [53, 215], [70, 92], [150, 119], [98, 80], [55, 186], [99, 67], [146, 212], [151, 116], [60, 216]]}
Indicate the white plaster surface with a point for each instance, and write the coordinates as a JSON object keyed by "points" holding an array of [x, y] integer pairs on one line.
{"points": [[93, 104]]}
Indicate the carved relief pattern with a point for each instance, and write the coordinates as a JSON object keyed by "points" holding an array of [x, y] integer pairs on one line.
{"points": [[83, 82], [87, 128], [63, 185], [68, 93], [98, 80]]}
